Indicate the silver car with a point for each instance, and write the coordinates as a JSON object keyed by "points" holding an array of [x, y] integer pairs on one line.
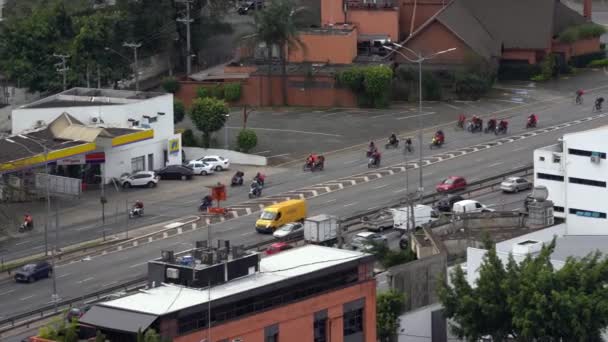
{"points": [[515, 184], [289, 231], [365, 241]]}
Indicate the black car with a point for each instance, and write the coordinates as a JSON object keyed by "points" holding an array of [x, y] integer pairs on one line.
{"points": [[175, 172], [445, 204], [32, 272], [249, 6]]}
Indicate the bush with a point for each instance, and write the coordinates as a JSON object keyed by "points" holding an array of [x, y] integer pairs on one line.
{"points": [[470, 86], [170, 85], [370, 84], [599, 63], [179, 111], [202, 92], [602, 46], [584, 31], [389, 258], [217, 91], [517, 71], [582, 61], [246, 140], [232, 92], [188, 139], [431, 86]]}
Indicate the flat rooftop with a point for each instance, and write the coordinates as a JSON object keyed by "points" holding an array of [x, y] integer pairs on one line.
{"points": [[86, 97], [273, 269], [559, 147]]}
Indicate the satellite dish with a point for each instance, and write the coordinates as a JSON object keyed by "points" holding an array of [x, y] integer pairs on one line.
{"points": [[540, 193]]}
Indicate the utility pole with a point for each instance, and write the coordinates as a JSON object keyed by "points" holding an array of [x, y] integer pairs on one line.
{"points": [[187, 20], [64, 69], [339, 233], [134, 46]]}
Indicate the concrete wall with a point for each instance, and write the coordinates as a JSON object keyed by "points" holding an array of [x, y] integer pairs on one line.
{"points": [[376, 21], [234, 156], [544, 162], [325, 48], [418, 280], [436, 37], [296, 320]]}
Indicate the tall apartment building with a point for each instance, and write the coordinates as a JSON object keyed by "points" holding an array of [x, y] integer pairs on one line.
{"points": [[310, 293]]}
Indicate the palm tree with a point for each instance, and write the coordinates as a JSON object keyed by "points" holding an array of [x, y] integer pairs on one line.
{"points": [[277, 26]]}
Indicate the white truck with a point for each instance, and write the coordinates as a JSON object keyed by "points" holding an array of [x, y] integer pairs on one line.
{"points": [[422, 214], [321, 229]]}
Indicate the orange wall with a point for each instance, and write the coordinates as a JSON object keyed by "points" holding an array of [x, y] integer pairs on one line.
{"points": [[296, 320], [325, 48], [331, 12], [425, 9], [376, 21], [436, 37]]}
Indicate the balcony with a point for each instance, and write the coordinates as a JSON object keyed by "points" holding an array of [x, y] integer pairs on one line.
{"points": [[372, 4]]}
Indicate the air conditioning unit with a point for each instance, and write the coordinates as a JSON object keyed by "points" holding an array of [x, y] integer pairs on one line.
{"points": [[96, 120], [39, 123], [172, 273]]}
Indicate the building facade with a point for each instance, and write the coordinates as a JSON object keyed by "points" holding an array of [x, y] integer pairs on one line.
{"points": [[310, 293], [575, 172]]}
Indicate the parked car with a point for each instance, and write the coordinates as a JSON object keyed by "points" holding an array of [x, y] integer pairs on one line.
{"points": [[445, 204], [175, 172], [76, 313], [365, 241], [515, 184], [199, 167], [140, 178], [250, 6], [289, 231], [470, 206], [278, 247], [452, 183], [32, 272], [218, 163], [404, 241]]}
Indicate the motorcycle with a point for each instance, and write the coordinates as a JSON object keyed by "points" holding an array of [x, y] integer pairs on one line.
{"points": [[25, 227], [136, 212], [255, 191], [392, 144], [436, 143], [408, 145], [475, 127], [373, 162], [530, 124], [205, 204], [490, 128], [237, 179], [500, 130], [318, 165]]}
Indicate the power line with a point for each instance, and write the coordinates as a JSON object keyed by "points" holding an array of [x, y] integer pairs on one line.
{"points": [[63, 68], [134, 46], [187, 20]]}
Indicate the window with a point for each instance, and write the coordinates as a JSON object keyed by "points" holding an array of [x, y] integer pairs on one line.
{"points": [[271, 333], [550, 177], [557, 158], [587, 213], [587, 182], [138, 164], [353, 321], [153, 119], [558, 209], [320, 326], [541, 158], [478, 205], [584, 153]]}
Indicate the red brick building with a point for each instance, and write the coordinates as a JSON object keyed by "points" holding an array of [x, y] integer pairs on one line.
{"points": [[310, 293]]}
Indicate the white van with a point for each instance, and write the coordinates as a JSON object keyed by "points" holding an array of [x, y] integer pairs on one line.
{"points": [[422, 214], [469, 206]]}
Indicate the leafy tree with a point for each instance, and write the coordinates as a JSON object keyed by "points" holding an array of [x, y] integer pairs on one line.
{"points": [[208, 115], [188, 138], [170, 85], [247, 139], [179, 111], [389, 258], [389, 305], [232, 92], [202, 92]]}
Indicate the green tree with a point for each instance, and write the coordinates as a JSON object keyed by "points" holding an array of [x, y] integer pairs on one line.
{"points": [[232, 91], [208, 115], [389, 305], [99, 337], [170, 84], [179, 111], [247, 139]]}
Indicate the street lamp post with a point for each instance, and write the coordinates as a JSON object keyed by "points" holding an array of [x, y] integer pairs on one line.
{"points": [[419, 59], [226, 145]]}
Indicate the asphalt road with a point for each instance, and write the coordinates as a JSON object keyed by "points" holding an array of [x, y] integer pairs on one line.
{"points": [[87, 276]]}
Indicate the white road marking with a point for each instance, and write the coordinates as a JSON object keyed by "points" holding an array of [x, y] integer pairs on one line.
{"points": [[386, 114], [63, 275], [415, 116], [495, 164], [7, 292], [136, 265], [287, 130], [349, 204], [21, 243], [330, 201], [352, 161], [108, 284], [399, 190], [26, 298], [519, 149], [262, 152], [279, 155], [381, 186], [509, 101], [452, 106], [371, 208], [248, 233], [85, 280]]}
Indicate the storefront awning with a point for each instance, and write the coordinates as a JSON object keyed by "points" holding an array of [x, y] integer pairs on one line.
{"points": [[117, 320]]}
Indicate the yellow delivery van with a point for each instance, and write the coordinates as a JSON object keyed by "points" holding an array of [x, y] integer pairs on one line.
{"points": [[276, 215]]}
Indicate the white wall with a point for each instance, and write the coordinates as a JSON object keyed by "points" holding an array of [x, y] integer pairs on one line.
{"points": [[112, 115], [556, 189], [234, 156], [118, 159]]}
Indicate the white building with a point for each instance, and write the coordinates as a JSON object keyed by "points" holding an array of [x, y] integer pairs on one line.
{"points": [[575, 171], [153, 146]]}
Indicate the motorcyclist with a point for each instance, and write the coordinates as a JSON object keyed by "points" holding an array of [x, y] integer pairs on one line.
{"points": [[598, 103], [408, 144], [392, 140], [28, 221], [502, 125], [206, 202], [376, 157], [461, 120], [532, 120], [238, 178], [138, 206], [259, 177], [579, 96], [491, 124], [440, 136], [256, 188]]}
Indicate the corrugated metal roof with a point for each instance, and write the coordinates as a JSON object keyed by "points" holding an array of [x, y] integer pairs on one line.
{"points": [[115, 319]]}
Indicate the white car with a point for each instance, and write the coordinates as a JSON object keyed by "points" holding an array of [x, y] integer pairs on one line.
{"points": [[470, 206], [515, 184], [140, 178], [289, 230], [218, 163], [365, 241], [200, 167]]}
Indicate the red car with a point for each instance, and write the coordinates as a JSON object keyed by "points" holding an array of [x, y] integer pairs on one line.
{"points": [[452, 183], [278, 247]]}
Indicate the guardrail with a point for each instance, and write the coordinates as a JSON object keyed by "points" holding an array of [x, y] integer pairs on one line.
{"points": [[27, 318]]}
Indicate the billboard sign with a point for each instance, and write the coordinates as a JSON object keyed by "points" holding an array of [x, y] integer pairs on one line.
{"points": [[174, 147], [75, 160]]}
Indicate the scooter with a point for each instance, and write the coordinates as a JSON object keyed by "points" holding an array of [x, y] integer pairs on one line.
{"points": [[531, 124], [373, 163], [205, 204], [237, 179], [500, 130], [390, 144], [25, 227], [255, 191], [136, 212]]}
